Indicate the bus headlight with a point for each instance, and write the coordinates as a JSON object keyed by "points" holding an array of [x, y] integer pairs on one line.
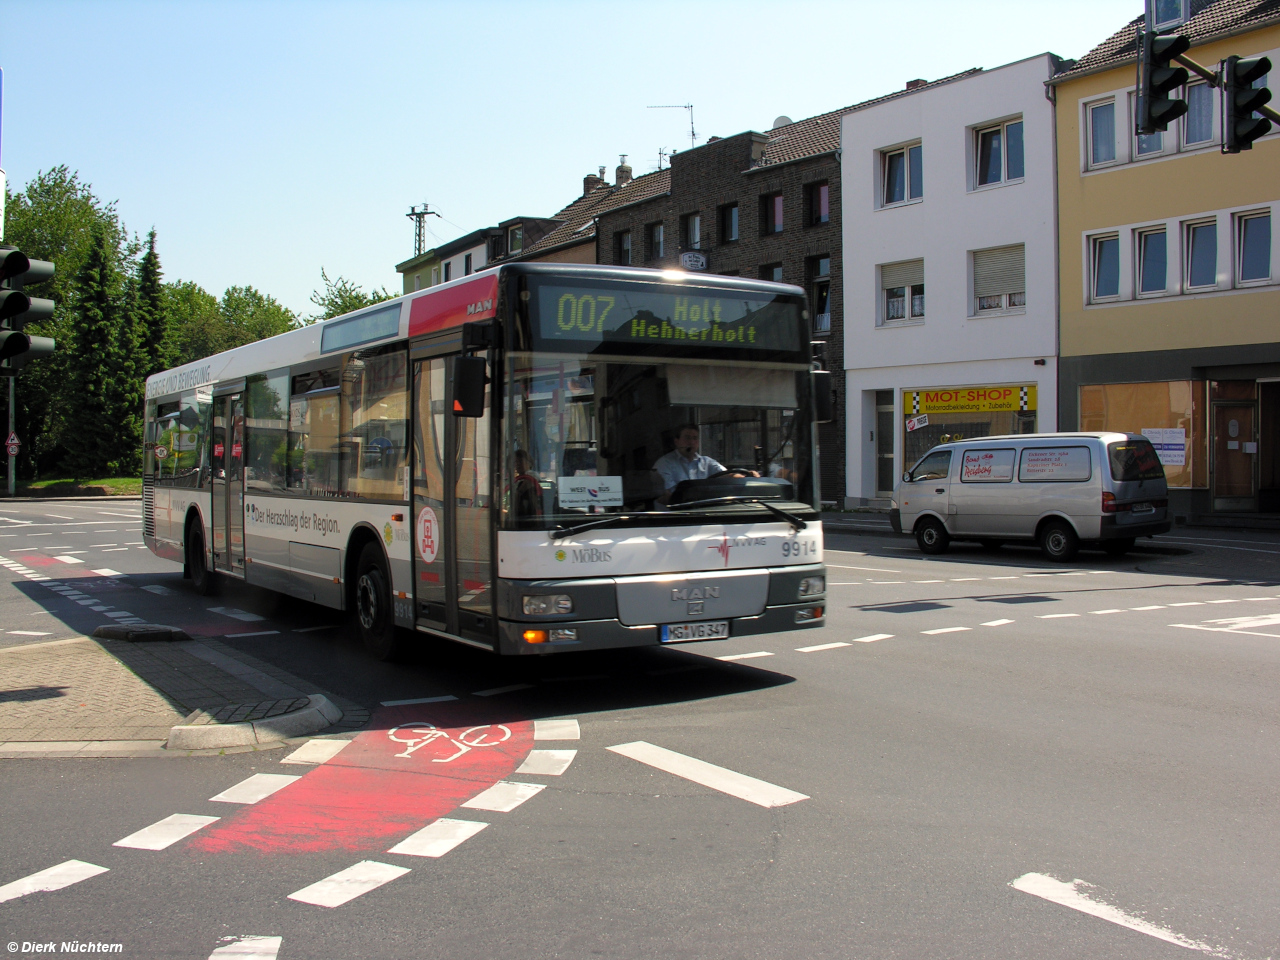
{"points": [[810, 586], [537, 606]]}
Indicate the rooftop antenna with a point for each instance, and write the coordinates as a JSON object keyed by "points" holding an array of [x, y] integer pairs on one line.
{"points": [[663, 153], [419, 218], [693, 136]]}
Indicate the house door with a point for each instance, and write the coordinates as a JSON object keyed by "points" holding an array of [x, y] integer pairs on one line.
{"points": [[1235, 455]]}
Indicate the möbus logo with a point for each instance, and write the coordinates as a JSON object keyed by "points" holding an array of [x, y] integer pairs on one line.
{"points": [[591, 555]]}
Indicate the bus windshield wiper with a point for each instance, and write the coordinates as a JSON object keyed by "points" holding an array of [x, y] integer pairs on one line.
{"points": [[791, 518], [562, 531]]}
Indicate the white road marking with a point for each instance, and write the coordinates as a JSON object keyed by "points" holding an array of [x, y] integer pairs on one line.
{"points": [[822, 646], [438, 838], [155, 588], [494, 691], [735, 784], [255, 788], [249, 948], [963, 579], [928, 581], [68, 559], [28, 633], [843, 566], [236, 614], [504, 796], [1154, 606], [996, 623], [1256, 599], [346, 885], [1073, 896], [166, 832], [1055, 616], [115, 550], [405, 703], [93, 546], [54, 878], [872, 638], [316, 751], [1189, 603], [108, 572], [556, 730], [1002, 578], [108, 513], [1113, 610], [746, 656], [1222, 601], [885, 581], [255, 633], [326, 626], [934, 633], [547, 763], [69, 552]]}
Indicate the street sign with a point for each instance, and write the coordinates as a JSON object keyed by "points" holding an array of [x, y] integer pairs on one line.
{"points": [[13, 439], [13, 449]]}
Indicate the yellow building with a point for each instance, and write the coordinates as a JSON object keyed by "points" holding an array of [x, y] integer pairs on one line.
{"points": [[1169, 284]]}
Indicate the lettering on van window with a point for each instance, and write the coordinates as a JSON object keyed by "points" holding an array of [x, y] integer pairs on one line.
{"points": [[987, 466], [1054, 463]]}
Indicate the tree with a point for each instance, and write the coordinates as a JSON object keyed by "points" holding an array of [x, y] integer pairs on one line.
{"points": [[103, 406], [342, 296], [151, 317], [195, 322], [251, 315]]}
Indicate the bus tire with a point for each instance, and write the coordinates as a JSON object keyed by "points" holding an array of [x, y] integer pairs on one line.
{"points": [[375, 619], [203, 579], [932, 536], [1058, 541]]}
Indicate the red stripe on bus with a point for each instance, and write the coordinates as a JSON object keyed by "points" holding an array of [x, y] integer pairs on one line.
{"points": [[453, 306], [392, 781]]}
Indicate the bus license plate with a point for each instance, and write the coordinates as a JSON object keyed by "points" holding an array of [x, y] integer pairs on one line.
{"points": [[709, 630]]}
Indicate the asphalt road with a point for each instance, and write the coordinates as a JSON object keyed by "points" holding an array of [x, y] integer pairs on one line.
{"points": [[1103, 734]]}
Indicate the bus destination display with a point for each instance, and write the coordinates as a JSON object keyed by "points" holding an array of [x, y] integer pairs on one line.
{"points": [[624, 315]]}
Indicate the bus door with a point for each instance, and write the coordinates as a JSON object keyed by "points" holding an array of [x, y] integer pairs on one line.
{"points": [[452, 509], [228, 483]]}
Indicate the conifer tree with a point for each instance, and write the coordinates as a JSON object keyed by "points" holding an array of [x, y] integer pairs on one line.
{"points": [[151, 318]]}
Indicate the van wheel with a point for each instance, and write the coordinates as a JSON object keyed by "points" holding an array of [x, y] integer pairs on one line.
{"points": [[375, 622], [202, 578], [991, 544], [1118, 548], [932, 536], [1058, 541]]}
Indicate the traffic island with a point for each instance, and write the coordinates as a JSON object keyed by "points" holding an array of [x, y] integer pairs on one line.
{"points": [[139, 632], [251, 724]]}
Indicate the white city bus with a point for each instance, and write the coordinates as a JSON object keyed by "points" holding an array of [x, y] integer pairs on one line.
{"points": [[367, 463]]}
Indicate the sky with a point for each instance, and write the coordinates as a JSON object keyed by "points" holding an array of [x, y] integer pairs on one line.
{"points": [[265, 141]]}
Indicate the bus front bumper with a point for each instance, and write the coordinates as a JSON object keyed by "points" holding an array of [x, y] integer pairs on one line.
{"points": [[613, 635]]}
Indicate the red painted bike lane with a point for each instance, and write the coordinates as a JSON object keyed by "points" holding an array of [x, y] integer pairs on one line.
{"points": [[417, 764]]}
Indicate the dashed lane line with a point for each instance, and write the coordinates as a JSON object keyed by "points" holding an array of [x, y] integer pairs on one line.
{"points": [[248, 948], [438, 838], [504, 796], [845, 566], [166, 832], [1113, 610], [560, 729], [872, 638], [996, 623], [759, 792], [823, 646], [255, 788], [54, 878], [934, 633], [1153, 606], [746, 656], [346, 885], [69, 559], [316, 751], [236, 614], [547, 763], [1055, 616]]}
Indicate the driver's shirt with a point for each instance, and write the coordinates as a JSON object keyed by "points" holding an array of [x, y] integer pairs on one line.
{"points": [[673, 468]]}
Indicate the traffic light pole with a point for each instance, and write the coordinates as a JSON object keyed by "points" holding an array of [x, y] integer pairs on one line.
{"points": [[13, 461]]}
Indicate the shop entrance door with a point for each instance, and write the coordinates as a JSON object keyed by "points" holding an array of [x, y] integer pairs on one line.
{"points": [[1235, 455]]}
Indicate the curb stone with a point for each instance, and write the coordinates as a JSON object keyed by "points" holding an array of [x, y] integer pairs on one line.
{"points": [[139, 632], [203, 731]]}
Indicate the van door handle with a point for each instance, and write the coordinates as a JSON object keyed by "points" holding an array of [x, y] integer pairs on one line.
{"points": [[940, 490]]}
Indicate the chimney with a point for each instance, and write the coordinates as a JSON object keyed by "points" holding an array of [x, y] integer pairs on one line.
{"points": [[623, 174], [592, 182], [916, 84]]}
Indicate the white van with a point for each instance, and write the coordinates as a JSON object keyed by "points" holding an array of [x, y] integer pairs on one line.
{"points": [[1055, 489]]}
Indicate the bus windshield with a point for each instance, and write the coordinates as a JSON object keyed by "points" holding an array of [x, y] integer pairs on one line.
{"points": [[599, 435]]}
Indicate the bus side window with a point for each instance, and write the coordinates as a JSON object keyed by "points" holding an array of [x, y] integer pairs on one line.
{"points": [[375, 408], [167, 442], [266, 429]]}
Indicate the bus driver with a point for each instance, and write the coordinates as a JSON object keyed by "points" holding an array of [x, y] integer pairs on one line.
{"points": [[685, 463]]}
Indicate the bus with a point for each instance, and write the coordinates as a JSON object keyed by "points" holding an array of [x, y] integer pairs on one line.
{"points": [[484, 461]]}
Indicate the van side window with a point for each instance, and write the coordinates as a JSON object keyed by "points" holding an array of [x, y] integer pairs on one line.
{"points": [[987, 466], [935, 466], [1055, 464]]}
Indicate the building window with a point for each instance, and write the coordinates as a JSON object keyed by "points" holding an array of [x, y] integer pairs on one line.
{"points": [[771, 213], [818, 201], [653, 241], [515, 239], [903, 174], [417, 281], [999, 153], [1102, 133], [771, 271], [902, 290], [1254, 245], [819, 270], [466, 265], [1199, 122], [1169, 13], [448, 271], [1153, 258], [691, 227], [729, 223], [435, 275], [1106, 268], [1202, 254], [999, 279], [622, 248]]}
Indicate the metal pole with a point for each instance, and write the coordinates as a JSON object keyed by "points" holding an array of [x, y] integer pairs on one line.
{"points": [[13, 461]]}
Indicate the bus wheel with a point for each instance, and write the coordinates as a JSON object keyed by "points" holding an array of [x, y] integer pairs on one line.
{"points": [[202, 578], [374, 619], [932, 536]]}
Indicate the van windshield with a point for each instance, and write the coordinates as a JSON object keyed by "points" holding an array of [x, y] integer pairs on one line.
{"points": [[1134, 460]]}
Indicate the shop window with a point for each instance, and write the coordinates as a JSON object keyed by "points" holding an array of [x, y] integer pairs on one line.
{"points": [[902, 291], [949, 414], [1169, 413], [1253, 244], [999, 279]]}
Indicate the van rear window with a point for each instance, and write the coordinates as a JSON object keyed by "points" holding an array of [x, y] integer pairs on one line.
{"points": [[1134, 460]]}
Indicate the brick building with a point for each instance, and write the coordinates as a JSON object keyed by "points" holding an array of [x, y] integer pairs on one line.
{"points": [[763, 205]]}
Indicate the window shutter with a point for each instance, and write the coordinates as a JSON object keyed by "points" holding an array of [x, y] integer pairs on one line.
{"points": [[901, 274], [999, 271]]}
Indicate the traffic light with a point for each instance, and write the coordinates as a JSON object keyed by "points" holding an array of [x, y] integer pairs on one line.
{"points": [[17, 309], [1156, 78], [1240, 99]]}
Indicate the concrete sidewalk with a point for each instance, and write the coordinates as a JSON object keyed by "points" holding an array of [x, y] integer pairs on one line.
{"points": [[86, 697]]}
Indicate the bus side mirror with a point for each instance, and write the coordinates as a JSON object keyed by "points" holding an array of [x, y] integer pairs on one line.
{"points": [[824, 406], [469, 380]]}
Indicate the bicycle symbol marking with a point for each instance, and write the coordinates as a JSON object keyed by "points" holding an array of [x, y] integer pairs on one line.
{"points": [[486, 735]]}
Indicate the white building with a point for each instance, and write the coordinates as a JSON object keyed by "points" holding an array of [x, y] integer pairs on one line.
{"points": [[949, 268]]}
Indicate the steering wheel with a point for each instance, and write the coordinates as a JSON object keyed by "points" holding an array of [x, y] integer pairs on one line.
{"points": [[732, 471]]}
